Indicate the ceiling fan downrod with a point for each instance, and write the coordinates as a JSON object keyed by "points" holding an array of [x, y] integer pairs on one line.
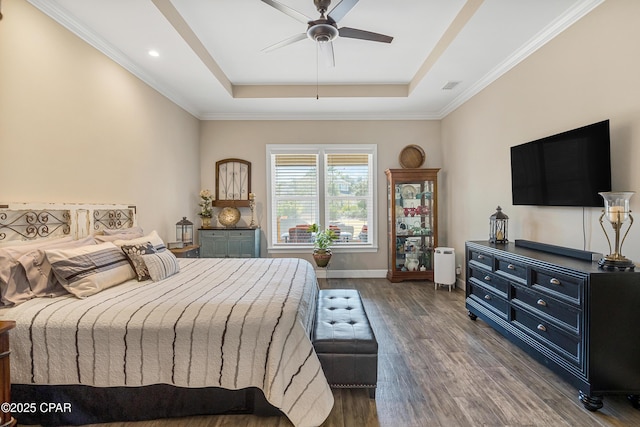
{"points": [[322, 6]]}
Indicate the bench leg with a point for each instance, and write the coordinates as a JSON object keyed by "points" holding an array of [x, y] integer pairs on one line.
{"points": [[372, 393]]}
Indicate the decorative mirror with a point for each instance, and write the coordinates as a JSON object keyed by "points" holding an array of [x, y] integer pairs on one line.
{"points": [[233, 181]]}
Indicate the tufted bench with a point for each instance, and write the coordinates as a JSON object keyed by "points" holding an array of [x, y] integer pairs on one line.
{"points": [[344, 341]]}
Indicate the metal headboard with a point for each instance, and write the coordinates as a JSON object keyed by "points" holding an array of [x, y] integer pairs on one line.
{"points": [[32, 224], [32, 221]]}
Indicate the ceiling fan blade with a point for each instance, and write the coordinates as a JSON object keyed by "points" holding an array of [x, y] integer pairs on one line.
{"points": [[286, 9], [353, 33], [286, 42], [341, 9], [326, 50]]}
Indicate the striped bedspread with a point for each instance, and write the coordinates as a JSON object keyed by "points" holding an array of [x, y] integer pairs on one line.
{"points": [[231, 323]]}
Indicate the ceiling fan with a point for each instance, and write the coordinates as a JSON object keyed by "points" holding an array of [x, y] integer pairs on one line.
{"points": [[325, 29]]}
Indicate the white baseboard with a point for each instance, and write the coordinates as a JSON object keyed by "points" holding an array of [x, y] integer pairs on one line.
{"points": [[324, 273]]}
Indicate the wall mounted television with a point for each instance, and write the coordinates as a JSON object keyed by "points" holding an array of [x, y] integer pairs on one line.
{"points": [[567, 169]]}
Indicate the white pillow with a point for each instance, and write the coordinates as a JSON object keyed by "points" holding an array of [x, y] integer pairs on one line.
{"points": [[152, 237], [101, 238], [90, 269], [129, 230]]}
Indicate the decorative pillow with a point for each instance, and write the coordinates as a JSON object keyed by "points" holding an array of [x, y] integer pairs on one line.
{"points": [[14, 285], [152, 237], [130, 230], [119, 236], [133, 252], [90, 269], [161, 265], [42, 281]]}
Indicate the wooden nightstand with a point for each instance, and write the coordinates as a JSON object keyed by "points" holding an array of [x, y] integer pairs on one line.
{"points": [[191, 251], [5, 391]]}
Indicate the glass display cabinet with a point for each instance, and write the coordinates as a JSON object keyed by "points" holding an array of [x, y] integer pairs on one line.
{"points": [[412, 223]]}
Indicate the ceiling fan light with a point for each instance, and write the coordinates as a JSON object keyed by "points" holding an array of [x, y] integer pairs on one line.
{"points": [[322, 33]]}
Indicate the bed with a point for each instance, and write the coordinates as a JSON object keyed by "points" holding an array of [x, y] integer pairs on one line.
{"points": [[220, 335]]}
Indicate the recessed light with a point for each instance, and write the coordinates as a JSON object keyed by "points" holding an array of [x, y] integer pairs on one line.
{"points": [[154, 53]]}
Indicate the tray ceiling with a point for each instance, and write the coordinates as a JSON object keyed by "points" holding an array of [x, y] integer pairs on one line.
{"points": [[211, 60]]}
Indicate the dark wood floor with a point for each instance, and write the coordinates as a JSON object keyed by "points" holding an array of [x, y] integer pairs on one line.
{"points": [[439, 368]]}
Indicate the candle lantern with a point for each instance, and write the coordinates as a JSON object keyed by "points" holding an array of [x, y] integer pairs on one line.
{"points": [[498, 225], [252, 205], [184, 231], [616, 211]]}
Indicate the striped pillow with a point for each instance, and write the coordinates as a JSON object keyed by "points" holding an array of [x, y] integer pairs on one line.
{"points": [[90, 269], [42, 280], [161, 265]]}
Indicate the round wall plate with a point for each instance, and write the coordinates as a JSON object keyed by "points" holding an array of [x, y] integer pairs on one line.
{"points": [[412, 156]]}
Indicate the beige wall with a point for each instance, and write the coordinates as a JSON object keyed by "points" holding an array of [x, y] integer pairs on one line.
{"points": [[248, 140], [77, 127], [587, 74]]}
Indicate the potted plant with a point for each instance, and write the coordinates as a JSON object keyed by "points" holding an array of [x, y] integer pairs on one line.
{"points": [[206, 211], [323, 241]]}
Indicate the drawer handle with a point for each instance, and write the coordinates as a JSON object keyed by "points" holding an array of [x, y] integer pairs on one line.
{"points": [[487, 278], [511, 267], [542, 328], [487, 297], [480, 256], [542, 302], [554, 281]]}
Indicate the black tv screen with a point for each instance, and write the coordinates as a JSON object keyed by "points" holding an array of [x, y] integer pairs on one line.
{"points": [[567, 169]]}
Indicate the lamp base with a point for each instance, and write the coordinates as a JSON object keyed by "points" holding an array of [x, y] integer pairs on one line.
{"points": [[621, 264]]}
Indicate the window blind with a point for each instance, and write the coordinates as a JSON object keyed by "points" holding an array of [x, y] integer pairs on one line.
{"points": [[329, 185]]}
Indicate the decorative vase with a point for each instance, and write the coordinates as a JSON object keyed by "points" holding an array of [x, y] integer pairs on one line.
{"points": [[322, 258], [206, 222], [412, 264], [229, 216]]}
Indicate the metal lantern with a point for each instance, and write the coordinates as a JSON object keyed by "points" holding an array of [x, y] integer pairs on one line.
{"points": [[498, 225], [184, 231]]}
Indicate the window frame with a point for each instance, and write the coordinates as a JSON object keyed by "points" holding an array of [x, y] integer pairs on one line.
{"points": [[321, 150]]}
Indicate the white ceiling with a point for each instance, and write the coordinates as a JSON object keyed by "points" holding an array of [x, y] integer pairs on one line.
{"points": [[211, 61]]}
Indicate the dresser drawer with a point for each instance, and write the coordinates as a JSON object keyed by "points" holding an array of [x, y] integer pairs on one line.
{"points": [[559, 312], [213, 233], [481, 258], [489, 299], [569, 345], [511, 269], [563, 287], [491, 281], [240, 233]]}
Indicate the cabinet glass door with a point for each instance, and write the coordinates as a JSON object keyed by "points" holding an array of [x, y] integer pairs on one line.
{"points": [[413, 225]]}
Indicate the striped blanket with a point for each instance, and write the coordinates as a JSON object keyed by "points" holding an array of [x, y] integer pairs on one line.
{"points": [[231, 323]]}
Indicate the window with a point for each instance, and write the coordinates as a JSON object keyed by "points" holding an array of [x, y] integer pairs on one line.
{"points": [[329, 185]]}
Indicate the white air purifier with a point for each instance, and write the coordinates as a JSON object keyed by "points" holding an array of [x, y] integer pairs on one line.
{"points": [[444, 268]]}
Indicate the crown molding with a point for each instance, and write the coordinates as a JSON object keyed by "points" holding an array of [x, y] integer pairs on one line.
{"points": [[62, 16], [318, 116], [570, 17]]}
